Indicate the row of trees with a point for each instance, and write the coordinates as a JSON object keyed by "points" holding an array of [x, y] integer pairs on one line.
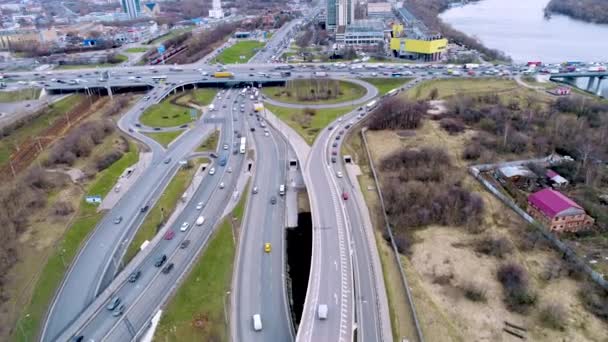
{"points": [[595, 11], [397, 113], [312, 89]]}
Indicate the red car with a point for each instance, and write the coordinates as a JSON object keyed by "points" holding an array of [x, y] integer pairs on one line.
{"points": [[345, 195], [169, 234]]}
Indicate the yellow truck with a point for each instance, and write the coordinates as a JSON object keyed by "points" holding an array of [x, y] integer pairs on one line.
{"points": [[223, 74], [258, 107]]}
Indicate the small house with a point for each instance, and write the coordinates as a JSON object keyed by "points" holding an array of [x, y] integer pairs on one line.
{"points": [[557, 212], [557, 181], [519, 175]]}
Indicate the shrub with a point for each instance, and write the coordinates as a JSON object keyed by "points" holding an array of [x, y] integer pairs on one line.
{"points": [[595, 300], [517, 295], [404, 246], [494, 246], [472, 151], [397, 113], [474, 291], [62, 208], [554, 316], [103, 162], [452, 126]]}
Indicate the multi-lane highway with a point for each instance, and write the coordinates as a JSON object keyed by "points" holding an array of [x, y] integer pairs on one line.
{"points": [[145, 296], [259, 283]]}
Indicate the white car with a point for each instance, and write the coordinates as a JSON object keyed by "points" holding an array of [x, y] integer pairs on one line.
{"points": [[199, 206], [229, 170], [200, 220], [266, 134], [221, 185], [257, 322], [184, 226], [339, 174], [225, 146], [212, 171]]}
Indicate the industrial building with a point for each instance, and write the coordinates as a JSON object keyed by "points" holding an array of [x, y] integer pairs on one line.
{"points": [[360, 33], [413, 40]]}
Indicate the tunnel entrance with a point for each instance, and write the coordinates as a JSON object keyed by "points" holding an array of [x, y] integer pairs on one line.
{"points": [[299, 251]]}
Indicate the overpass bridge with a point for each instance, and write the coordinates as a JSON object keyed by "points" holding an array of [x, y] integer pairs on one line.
{"points": [[593, 83]]}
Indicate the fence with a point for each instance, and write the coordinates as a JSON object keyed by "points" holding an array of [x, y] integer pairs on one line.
{"points": [[389, 229], [568, 253]]}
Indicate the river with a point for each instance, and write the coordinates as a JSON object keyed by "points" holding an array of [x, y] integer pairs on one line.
{"points": [[519, 28]]}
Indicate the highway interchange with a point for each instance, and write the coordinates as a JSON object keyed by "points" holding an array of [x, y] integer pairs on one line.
{"points": [[342, 273]]}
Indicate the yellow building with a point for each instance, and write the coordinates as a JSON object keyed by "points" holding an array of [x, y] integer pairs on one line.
{"points": [[429, 50]]}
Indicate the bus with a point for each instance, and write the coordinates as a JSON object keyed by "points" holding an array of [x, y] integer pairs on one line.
{"points": [[159, 79], [392, 92], [243, 145], [370, 105]]}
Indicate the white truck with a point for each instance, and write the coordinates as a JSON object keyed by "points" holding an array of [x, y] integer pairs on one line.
{"points": [[320, 74]]}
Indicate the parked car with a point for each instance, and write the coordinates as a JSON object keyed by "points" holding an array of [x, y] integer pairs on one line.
{"points": [[114, 302]]}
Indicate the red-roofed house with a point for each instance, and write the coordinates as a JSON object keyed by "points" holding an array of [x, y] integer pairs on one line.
{"points": [[557, 212]]}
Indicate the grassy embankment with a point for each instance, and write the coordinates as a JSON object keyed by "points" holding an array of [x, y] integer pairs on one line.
{"points": [[19, 95], [385, 85], [233, 54], [84, 221], [210, 144], [197, 311], [308, 126], [33, 128]]}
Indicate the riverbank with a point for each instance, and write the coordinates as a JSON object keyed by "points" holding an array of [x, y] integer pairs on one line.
{"points": [[592, 11]]}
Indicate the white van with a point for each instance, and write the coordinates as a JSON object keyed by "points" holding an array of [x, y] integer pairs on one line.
{"points": [[257, 322], [200, 220], [282, 189], [322, 311]]}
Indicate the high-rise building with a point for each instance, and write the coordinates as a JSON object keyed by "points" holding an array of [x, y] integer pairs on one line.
{"points": [[216, 10], [131, 7], [340, 13]]}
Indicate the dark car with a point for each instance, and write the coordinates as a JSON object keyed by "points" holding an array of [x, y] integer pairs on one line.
{"points": [[334, 144], [273, 200], [333, 159], [167, 161], [212, 155], [134, 276], [330, 128], [157, 128], [77, 338], [144, 208], [184, 126], [119, 311], [137, 125], [114, 302], [160, 260], [184, 244], [223, 161], [253, 129], [168, 268]]}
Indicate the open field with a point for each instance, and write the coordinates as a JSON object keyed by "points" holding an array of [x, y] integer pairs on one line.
{"points": [[197, 311], [210, 144], [308, 126], [385, 85], [451, 87], [443, 257], [19, 95], [170, 34], [233, 54], [136, 50], [165, 138], [37, 125], [166, 114], [290, 93], [161, 211], [61, 254]]}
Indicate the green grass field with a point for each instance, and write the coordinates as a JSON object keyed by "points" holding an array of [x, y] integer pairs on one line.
{"points": [[232, 55], [165, 138], [167, 201], [385, 85], [86, 219], [166, 114], [19, 95], [37, 125], [210, 144], [171, 34], [136, 50], [308, 127], [349, 92], [201, 96], [197, 311]]}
